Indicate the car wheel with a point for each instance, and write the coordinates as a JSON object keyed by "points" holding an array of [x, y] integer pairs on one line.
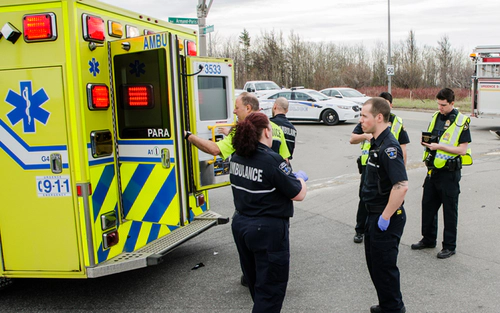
{"points": [[330, 117]]}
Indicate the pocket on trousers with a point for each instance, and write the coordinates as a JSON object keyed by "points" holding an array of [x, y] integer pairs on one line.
{"points": [[279, 264]]}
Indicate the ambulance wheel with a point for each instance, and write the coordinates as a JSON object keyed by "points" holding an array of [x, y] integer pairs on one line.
{"points": [[5, 282], [330, 117]]}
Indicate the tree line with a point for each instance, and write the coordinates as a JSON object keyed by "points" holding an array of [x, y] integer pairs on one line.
{"points": [[293, 61]]}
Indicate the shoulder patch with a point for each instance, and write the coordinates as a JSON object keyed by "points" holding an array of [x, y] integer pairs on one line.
{"points": [[285, 168], [391, 152], [466, 125]]}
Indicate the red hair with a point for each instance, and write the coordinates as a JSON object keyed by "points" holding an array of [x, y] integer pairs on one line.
{"points": [[248, 133]]}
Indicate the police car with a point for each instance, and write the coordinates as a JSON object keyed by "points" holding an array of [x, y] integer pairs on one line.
{"points": [[308, 104]]}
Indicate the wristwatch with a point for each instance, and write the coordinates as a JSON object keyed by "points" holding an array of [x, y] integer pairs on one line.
{"points": [[188, 133]]}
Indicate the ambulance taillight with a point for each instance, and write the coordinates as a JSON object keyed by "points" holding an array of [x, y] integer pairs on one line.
{"points": [[191, 48], [110, 239], [200, 200], [39, 27], [98, 96], [138, 96], [93, 28]]}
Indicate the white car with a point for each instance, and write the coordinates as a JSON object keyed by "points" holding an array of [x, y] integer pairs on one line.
{"points": [[308, 104], [261, 87], [346, 94]]}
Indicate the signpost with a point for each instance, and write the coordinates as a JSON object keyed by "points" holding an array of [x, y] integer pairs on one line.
{"points": [[390, 70], [208, 29], [183, 20]]}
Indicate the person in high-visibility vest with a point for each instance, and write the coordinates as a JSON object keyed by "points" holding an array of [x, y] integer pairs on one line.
{"points": [[358, 136], [446, 145]]}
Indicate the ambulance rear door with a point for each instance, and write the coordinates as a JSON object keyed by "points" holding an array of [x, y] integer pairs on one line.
{"points": [[144, 105], [211, 90]]}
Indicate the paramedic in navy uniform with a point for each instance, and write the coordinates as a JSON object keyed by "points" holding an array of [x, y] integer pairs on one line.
{"points": [[263, 189], [384, 189]]}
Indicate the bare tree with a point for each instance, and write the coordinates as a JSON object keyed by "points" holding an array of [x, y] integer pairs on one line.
{"points": [[408, 73], [444, 56]]}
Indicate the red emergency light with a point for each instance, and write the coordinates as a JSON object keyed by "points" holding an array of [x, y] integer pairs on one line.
{"points": [[138, 96], [93, 28], [191, 48], [39, 27], [98, 96]]}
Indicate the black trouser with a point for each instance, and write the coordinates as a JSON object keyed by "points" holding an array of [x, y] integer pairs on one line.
{"points": [[441, 187], [381, 250], [362, 213], [264, 250]]}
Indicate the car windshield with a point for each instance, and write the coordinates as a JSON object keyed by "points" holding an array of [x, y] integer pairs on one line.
{"points": [[318, 95], [351, 93], [266, 86]]}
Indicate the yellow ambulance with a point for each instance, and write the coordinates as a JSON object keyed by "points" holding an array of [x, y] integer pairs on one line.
{"points": [[96, 177]]}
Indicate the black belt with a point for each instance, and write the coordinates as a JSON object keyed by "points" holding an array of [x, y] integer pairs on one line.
{"points": [[375, 208], [253, 216]]}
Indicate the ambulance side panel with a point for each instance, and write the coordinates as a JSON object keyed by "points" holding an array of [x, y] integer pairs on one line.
{"points": [[38, 218]]}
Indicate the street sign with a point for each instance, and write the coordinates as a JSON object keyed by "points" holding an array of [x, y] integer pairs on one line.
{"points": [[208, 29], [183, 20], [390, 70]]}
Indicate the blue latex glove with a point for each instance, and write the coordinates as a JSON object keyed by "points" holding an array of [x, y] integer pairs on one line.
{"points": [[383, 223], [301, 174]]}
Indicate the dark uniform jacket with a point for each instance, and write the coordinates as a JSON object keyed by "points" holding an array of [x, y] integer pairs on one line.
{"points": [[263, 185], [385, 167], [288, 129]]}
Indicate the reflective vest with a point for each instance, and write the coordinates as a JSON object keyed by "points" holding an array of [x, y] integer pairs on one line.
{"points": [[396, 127], [450, 138]]}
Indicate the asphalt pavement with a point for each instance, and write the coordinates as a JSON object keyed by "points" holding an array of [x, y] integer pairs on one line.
{"points": [[328, 271]]}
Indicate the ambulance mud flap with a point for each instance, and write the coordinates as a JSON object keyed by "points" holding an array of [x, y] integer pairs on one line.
{"points": [[153, 253]]}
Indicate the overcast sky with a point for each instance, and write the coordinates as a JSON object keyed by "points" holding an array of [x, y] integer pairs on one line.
{"points": [[466, 23]]}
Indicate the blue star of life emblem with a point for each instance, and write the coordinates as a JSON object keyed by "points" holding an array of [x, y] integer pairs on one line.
{"points": [[27, 106], [137, 68], [94, 67]]}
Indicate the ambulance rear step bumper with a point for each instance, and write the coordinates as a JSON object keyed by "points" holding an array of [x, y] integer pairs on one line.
{"points": [[153, 253]]}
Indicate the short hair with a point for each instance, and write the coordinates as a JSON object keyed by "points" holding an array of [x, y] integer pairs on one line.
{"points": [[248, 133], [282, 103], [387, 96], [379, 105], [250, 99], [446, 94]]}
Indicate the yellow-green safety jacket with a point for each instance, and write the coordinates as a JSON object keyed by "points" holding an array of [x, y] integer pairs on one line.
{"points": [[396, 127], [450, 138]]}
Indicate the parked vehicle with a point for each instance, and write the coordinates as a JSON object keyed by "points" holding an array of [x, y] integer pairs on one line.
{"points": [[97, 177], [308, 104], [486, 81], [261, 87], [346, 94]]}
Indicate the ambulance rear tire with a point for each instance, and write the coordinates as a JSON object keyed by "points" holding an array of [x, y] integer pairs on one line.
{"points": [[5, 282], [330, 117]]}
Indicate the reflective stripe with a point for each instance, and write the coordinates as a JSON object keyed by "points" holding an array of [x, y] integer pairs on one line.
{"points": [[396, 126], [253, 191]]}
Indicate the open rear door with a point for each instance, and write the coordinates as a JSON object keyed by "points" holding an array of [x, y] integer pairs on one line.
{"points": [[145, 125], [211, 107]]}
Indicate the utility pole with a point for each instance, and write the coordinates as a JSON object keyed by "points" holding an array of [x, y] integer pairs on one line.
{"points": [[202, 10], [389, 62]]}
